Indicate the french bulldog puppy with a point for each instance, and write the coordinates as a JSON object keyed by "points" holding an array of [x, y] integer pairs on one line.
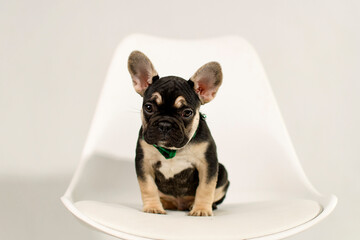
{"points": [[176, 160]]}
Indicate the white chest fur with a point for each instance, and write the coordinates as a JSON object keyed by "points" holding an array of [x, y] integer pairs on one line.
{"points": [[192, 155], [170, 167]]}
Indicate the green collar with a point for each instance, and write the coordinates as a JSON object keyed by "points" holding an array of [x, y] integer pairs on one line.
{"points": [[169, 153]]}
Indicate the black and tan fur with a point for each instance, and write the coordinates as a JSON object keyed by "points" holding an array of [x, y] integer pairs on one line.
{"points": [[192, 180]]}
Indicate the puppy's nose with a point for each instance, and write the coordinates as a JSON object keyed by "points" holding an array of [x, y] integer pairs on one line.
{"points": [[164, 127]]}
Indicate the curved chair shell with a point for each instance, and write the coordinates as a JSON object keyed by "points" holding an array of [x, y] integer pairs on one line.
{"points": [[270, 197]]}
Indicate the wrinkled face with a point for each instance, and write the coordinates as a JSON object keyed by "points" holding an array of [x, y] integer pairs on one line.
{"points": [[170, 112]]}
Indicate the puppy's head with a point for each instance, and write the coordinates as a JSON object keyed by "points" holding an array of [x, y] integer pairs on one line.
{"points": [[170, 112]]}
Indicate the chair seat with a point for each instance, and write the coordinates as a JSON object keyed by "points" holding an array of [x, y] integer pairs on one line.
{"points": [[230, 221]]}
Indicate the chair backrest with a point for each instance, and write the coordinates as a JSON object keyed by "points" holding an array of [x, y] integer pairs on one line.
{"points": [[244, 118]]}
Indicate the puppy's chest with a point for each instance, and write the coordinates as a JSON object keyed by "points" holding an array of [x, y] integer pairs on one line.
{"points": [[184, 162], [171, 167]]}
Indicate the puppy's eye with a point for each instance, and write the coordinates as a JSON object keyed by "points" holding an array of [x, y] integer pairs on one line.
{"points": [[187, 113], [148, 108]]}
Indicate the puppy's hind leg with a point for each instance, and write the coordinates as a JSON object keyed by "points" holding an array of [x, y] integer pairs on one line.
{"points": [[222, 186]]}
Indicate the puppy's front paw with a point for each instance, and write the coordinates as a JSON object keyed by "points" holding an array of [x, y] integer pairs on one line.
{"points": [[154, 209], [201, 212]]}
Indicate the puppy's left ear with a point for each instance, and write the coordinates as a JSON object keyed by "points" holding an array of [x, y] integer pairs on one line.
{"points": [[207, 81], [142, 71]]}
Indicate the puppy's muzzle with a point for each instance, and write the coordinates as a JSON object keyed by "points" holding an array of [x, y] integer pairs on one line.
{"points": [[165, 127], [165, 132]]}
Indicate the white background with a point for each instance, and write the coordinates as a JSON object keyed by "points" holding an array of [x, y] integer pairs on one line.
{"points": [[53, 61]]}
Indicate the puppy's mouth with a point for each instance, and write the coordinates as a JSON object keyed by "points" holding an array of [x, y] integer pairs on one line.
{"points": [[165, 133], [166, 144]]}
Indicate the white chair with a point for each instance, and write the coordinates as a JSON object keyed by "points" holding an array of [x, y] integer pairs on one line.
{"points": [[269, 195]]}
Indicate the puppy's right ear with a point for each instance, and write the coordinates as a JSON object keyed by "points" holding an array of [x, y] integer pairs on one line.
{"points": [[141, 70]]}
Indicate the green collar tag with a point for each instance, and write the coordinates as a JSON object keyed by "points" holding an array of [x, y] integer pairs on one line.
{"points": [[168, 153]]}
